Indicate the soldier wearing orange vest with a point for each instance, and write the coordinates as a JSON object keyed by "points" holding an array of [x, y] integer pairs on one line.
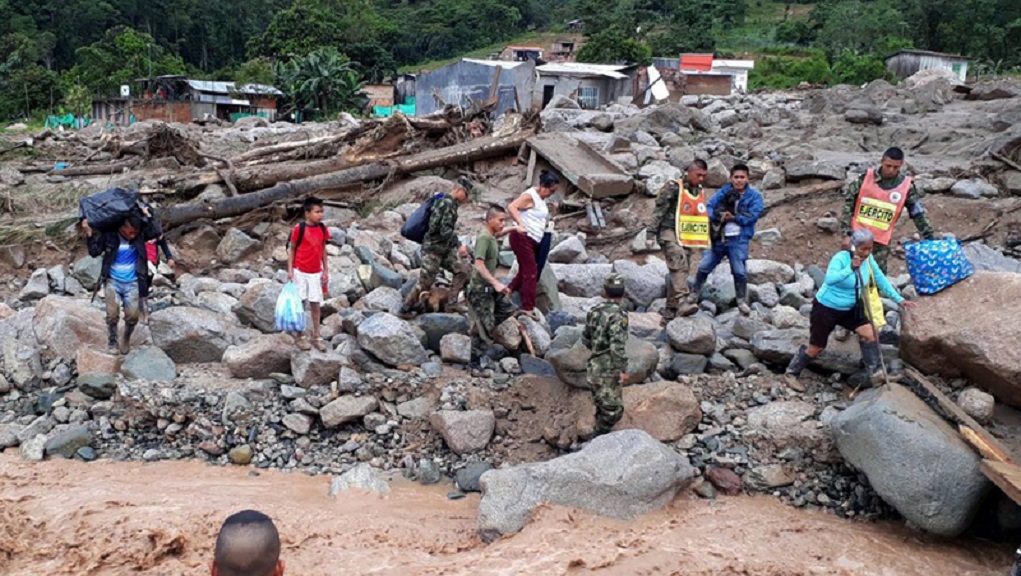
{"points": [[875, 201], [681, 224]]}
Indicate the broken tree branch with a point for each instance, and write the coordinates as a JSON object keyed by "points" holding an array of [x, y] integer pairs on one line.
{"points": [[101, 170], [458, 154]]}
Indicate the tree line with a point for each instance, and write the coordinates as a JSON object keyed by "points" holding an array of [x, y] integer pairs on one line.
{"points": [[55, 55]]}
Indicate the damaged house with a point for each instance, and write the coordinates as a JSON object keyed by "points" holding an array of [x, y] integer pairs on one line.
{"points": [[469, 80], [591, 85], [180, 99]]}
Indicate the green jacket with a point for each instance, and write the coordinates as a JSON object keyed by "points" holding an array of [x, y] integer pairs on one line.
{"points": [[606, 333], [913, 203]]}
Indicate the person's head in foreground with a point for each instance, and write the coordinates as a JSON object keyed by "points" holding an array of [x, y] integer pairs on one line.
{"points": [[248, 545]]}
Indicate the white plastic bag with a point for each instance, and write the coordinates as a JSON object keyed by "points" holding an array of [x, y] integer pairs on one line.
{"points": [[290, 312]]}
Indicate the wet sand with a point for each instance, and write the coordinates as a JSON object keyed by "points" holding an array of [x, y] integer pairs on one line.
{"points": [[115, 518]]}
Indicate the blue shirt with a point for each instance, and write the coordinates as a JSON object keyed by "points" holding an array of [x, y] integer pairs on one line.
{"points": [[749, 209], [124, 267], [838, 289]]}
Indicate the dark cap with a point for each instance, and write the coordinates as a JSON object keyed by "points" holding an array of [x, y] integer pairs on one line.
{"points": [[467, 184], [614, 282]]}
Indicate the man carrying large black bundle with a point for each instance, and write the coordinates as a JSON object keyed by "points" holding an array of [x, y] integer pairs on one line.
{"points": [[125, 264]]}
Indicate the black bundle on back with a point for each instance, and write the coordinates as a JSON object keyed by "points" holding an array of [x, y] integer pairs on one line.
{"points": [[107, 210]]}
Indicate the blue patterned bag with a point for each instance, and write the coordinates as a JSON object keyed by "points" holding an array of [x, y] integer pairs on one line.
{"points": [[936, 264]]}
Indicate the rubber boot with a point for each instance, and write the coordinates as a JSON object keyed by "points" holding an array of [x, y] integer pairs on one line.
{"points": [[126, 341], [111, 337], [796, 366], [696, 290], [741, 289], [872, 374]]}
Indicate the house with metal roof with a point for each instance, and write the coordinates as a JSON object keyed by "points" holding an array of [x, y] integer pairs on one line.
{"points": [[469, 80], [907, 62], [180, 99], [591, 85]]}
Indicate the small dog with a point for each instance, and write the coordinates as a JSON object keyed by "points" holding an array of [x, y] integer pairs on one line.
{"points": [[435, 300]]}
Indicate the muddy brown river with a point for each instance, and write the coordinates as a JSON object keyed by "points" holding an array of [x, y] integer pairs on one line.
{"points": [[115, 518]]}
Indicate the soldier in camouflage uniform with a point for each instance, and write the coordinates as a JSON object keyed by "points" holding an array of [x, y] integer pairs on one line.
{"points": [[441, 248], [606, 332], [488, 301], [889, 174], [678, 258]]}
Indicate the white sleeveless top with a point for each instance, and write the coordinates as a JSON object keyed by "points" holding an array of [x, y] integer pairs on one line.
{"points": [[535, 217]]}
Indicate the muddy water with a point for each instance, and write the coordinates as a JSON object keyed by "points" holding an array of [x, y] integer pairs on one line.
{"points": [[109, 518]]}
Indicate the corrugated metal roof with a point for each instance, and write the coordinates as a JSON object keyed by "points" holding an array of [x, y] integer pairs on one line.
{"points": [[701, 62], [580, 69], [494, 63], [929, 53], [228, 87]]}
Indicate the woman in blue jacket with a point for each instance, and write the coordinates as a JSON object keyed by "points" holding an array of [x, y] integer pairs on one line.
{"points": [[733, 212], [839, 303]]}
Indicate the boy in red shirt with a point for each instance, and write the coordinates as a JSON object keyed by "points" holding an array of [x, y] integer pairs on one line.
{"points": [[306, 265]]}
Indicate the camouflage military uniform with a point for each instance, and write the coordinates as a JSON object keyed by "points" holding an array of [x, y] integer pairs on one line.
{"points": [[913, 203], [439, 251], [606, 330], [677, 256], [487, 308]]}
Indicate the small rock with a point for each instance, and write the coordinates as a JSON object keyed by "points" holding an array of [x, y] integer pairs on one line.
{"points": [[241, 455], [428, 472], [769, 236], [468, 477], [98, 386], [977, 404], [299, 423], [347, 409], [86, 453], [150, 364], [973, 189], [769, 477], [829, 224], [66, 442], [464, 432], [725, 480], [38, 286], [361, 477], [33, 449], [456, 348], [705, 490]]}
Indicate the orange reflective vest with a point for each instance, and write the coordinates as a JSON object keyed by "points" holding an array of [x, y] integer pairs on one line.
{"points": [[876, 209], [692, 219]]}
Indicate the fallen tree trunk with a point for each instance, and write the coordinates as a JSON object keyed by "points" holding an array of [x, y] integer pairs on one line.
{"points": [[100, 170], [290, 146], [459, 154]]}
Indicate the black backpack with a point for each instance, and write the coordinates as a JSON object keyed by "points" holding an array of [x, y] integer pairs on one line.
{"points": [[418, 223], [301, 235]]}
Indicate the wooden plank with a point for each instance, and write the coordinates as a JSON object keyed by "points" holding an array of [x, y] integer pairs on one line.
{"points": [[1006, 476], [959, 416], [977, 442]]}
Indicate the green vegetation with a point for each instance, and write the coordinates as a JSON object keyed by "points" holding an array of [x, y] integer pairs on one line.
{"points": [[54, 56]]}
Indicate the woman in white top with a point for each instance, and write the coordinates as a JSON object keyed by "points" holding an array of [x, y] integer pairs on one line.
{"points": [[531, 214]]}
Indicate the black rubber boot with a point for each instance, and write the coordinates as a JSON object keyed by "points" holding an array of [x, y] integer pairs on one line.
{"points": [[871, 354], [111, 337], [696, 290], [741, 290], [126, 342], [794, 369]]}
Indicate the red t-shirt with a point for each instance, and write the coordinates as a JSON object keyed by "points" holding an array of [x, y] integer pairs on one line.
{"points": [[308, 258]]}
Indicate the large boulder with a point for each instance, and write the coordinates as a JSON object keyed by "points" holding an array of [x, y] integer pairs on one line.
{"points": [[257, 306], [87, 271], [570, 251], [260, 356], [666, 410], [970, 329], [464, 431], [826, 170], [436, 326], [657, 173], [64, 325], [983, 257], [581, 280], [914, 460], [620, 475], [235, 246], [38, 286], [189, 334], [643, 284], [347, 409], [695, 335], [571, 362], [392, 340], [777, 347], [768, 271], [150, 364], [315, 368]]}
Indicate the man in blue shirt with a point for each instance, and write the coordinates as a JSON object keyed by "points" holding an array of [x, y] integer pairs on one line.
{"points": [[125, 265], [733, 212]]}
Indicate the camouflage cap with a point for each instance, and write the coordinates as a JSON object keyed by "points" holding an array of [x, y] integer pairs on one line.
{"points": [[614, 282], [468, 186]]}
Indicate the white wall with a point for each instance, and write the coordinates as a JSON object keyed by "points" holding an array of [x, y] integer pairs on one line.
{"points": [[931, 62]]}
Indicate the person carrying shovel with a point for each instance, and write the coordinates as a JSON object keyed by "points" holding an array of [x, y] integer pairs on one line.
{"points": [[844, 300]]}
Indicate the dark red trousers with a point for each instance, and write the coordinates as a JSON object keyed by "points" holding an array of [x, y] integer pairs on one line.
{"points": [[526, 251]]}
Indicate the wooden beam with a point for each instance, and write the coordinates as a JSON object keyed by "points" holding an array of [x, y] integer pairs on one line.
{"points": [[986, 441], [1006, 476]]}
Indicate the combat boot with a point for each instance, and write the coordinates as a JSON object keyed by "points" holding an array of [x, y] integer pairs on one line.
{"points": [[696, 290], [741, 289]]}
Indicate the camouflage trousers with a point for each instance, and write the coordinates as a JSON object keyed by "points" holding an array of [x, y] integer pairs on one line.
{"points": [[432, 263], [487, 310], [882, 255], [609, 400], [678, 260]]}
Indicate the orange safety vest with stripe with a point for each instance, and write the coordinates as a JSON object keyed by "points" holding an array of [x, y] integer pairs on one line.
{"points": [[876, 209], [692, 218]]}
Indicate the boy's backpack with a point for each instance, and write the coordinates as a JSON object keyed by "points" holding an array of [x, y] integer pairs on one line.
{"points": [[418, 223], [301, 235], [106, 210]]}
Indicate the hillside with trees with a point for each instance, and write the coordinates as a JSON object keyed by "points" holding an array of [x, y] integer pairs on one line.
{"points": [[54, 56]]}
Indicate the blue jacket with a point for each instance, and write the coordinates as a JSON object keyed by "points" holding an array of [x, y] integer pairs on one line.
{"points": [[749, 209], [838, 289]]}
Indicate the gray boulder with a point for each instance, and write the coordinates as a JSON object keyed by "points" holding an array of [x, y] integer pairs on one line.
{"points": [[66, 440], [315, 368], [347, 409], [235, 246], [436, 326], [983, 257], [974, 189], [769, 272], [38, 286], [570, 251], [826, 170], [620, 475], [570, 361], [150, 364], [87, 271], [189, 334], [361, 477], [464, 431], [777, 347], [261, 356], [915, 461], [384, 299], [392, 340], [656, 174], [695, 335], [456, 348], [643, 284], [537, 334], [257, 306], [582, 280]]}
